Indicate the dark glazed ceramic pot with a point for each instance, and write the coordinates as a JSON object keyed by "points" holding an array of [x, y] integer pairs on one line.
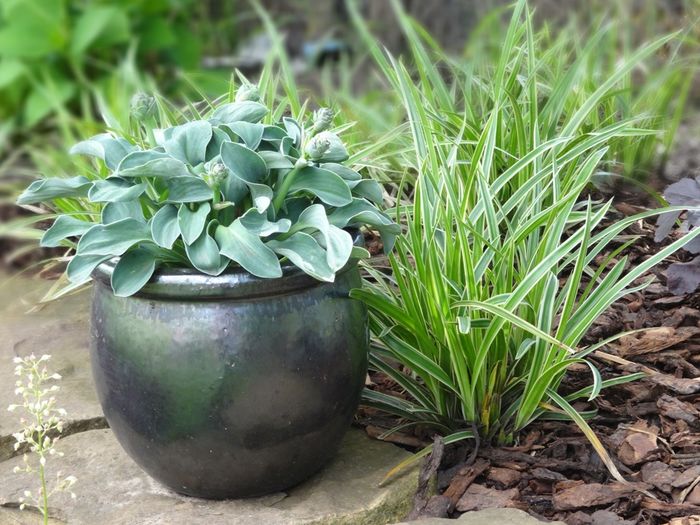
{"points": [[229, 386]]}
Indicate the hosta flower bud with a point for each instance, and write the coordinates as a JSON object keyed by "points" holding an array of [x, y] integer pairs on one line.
{"points": [[143, 106], [326, 147], [323, 118], [216, 173], [248, 92]]}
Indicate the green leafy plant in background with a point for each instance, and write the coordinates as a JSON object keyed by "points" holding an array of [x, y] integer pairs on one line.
{"points": [[219, 189], [53, 55], [504, 264]]}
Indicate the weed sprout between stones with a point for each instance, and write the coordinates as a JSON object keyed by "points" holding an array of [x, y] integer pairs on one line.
{"points": [[41, 422]]}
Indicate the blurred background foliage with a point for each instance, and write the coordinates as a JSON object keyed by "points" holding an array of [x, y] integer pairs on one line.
{"points": [[66, 66]]}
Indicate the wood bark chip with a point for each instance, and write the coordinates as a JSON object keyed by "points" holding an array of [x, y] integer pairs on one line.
{"points": [[504, 478], [479, 497], [464, 478], [426, 474], [577, 495], [686, 477], [653, 340], [659, 474], [639, 444], [687, 520], [674, 408]]}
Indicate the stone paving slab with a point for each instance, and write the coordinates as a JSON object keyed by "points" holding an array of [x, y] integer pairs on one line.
{"points": [[112, 490], [60, 329], [486, 517]]}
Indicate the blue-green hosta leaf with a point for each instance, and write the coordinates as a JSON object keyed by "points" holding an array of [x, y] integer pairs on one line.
{"points": [[115, 189], [338, 242], [80, 267], [188, 189], [274, 160], [257, 223], [116, 211], [246, 248], [64, 226], [113, 239], [188, 142], [368, 189], [158, 167], [132, 272], [164, 226], [287, 147], [247, 111], [293, 207], [293, 130], [341, 170], [306, 254], [251, 134], [261, 194], [139, 158], [47, 189], [219, 136], [249, 167], [361, 212], [106, 147], [325, 184], [243, 162], [192, 222], [273, 135], [204, 255]]}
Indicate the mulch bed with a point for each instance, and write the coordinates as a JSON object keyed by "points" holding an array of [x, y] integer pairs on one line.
{"points": [[650, 427]]}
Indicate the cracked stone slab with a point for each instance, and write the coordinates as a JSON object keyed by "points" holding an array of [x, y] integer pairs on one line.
{"points": [[486, 517], [112, 490], [60, 329]]}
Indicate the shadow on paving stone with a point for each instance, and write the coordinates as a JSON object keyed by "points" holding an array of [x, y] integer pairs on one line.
{"points": [[486, 517], [60, 329], [112, 490]]}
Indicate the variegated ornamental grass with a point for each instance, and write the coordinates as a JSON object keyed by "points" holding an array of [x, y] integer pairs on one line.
{"points": [[505, 263], [230, 187]]}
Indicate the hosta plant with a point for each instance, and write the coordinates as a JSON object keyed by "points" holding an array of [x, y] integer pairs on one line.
{"points": [[232, 188]]}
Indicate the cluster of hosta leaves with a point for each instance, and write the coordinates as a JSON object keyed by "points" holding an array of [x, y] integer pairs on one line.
{"points": [[217, 192]]}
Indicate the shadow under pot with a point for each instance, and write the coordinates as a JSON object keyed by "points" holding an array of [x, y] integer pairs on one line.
{"points": [[229, 386]]}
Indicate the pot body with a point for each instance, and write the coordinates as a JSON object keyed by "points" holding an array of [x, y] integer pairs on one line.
{"points": [[230, 386]]}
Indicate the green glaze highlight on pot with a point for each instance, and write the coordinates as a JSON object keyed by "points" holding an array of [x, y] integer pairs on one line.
{"points": [[230, 386]]}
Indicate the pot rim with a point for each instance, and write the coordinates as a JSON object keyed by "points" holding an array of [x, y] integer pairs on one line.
{"points": [[234, 283]]}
